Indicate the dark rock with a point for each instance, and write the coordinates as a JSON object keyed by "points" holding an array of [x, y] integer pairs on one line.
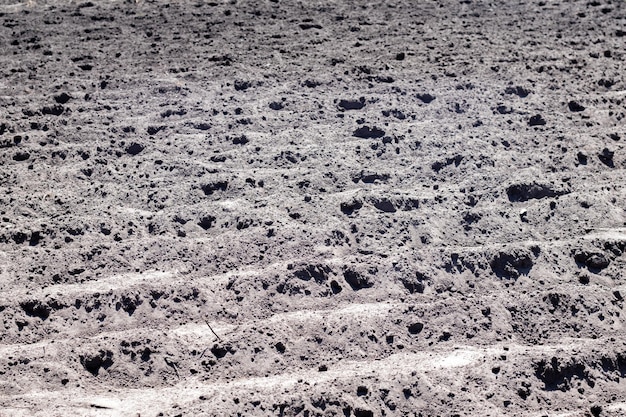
{"points": [[145, 354], [523, 392], [425, 98], [55, 110], [35, 308], [134, 149], [416, 283], [518, 91], [356, 280], [276, 105], [335, 287], [202, 126], [223, 60], [153, 130], [557, 375], [319, 273], [606, 157], [307, 26], [35, 238], [311, 83], [575, 107], [596, 410], [617, 247], [595, 261], [280, 347], [606, 83], [445, 336], [170, 112], [244, 224], [554, 299], [511, 264], [93, 363], [384, 79], [206, 222], [365, 132], [384, 205], [525, 192], [21, 324], [408, 204], [439, 165], [240, 140], [471, 217], [62, 98], [220, 351], [19, 237], [242, 85], [21, 156], [210, 188], [128, 304], [369, 177], [350, 207], [395, 113], [537, 120], [362, 412], [352, 104], [400, 56], [415, 328], [502, 109]]}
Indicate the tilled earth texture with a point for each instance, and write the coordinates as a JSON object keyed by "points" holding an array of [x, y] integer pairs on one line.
{"points": [[312, 208]]}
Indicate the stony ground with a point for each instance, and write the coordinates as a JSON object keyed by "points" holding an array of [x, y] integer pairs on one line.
{"points": [[313, 208]]}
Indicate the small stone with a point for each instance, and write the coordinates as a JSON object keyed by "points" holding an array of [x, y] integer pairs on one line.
{"points": [[416, 328], [606, 157], [62, 98], [537, 120], [597, 261], [134, 149], [366, 132], [21, 156], [575, 107]]}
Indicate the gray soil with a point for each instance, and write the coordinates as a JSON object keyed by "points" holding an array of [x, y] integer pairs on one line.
{"points": [[317, 208]]}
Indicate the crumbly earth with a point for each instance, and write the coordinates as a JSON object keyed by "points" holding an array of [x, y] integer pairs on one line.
{"points": [[316, 208]]}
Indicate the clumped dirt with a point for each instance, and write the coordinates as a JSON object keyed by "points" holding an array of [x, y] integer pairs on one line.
{"points": [[318, 208]]}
